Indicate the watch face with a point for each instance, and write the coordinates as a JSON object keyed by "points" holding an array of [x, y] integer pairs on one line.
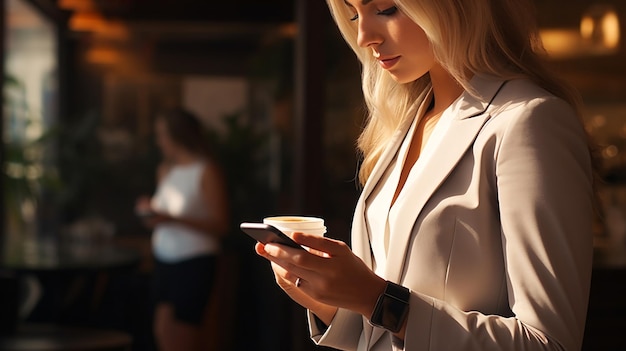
{"points": [[391, 311]]}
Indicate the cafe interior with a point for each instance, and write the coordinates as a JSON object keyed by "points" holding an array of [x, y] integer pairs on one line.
{"points": [[279, 94]]}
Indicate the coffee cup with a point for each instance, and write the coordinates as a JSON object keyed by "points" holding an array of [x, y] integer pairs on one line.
{"points": [[302, 224]]}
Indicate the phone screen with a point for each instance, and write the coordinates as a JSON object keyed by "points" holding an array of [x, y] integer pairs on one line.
{"points": [[266, 233]]}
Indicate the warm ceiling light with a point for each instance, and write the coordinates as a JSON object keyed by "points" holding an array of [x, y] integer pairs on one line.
{"points": [[103, 56], [610, 27], [600, 27], [114, 30], [86, 22], [77, 5], [561, 43], [586, 27], [94, 23], [598, 34]]}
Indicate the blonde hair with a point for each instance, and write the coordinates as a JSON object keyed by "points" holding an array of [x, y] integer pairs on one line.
{"points": [[496, 37]]}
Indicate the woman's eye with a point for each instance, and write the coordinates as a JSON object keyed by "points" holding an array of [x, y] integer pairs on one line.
{"points": [[388, 12]]}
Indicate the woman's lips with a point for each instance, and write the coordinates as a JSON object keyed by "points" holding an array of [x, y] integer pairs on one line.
{"points": [[387, 63]]}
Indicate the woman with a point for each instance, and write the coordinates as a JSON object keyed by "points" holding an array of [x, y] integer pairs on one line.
{"points": [[473, 229], [189, 214]]}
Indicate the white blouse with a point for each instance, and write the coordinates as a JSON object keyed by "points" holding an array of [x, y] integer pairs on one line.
{"points": [[380, 215]]}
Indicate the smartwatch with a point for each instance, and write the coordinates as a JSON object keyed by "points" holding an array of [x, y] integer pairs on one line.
{"points": [[392, 308]]}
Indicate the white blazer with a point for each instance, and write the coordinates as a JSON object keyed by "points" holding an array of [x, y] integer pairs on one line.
{"points": [[495, 242]]}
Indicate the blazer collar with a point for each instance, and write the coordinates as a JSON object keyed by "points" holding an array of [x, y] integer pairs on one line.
{"points": [[486, 88], [466, 106], [470, 115]]}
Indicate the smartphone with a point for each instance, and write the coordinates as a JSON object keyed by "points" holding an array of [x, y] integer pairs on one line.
{"points": [[266, 234]]}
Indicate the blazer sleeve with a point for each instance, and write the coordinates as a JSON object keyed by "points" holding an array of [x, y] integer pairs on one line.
{"points": [[545, 198], [343, 333]]}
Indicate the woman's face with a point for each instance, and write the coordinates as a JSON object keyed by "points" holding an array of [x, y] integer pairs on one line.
{"points": [[399, 44], [163, 139]]}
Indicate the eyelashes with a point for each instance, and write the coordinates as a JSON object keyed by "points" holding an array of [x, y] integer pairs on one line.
{"points": [[386, 12]]}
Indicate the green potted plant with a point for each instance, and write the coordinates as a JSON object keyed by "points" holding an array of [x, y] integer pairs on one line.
{"points": [[27, 169]]}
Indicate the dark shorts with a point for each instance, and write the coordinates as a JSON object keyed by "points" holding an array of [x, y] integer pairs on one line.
{"points": [[186, 285]]}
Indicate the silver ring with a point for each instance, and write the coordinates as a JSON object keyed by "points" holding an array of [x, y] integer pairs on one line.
{"points": [[298, 282]]}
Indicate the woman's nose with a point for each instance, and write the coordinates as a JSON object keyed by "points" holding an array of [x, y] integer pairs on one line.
{"points": [[368, 35]]}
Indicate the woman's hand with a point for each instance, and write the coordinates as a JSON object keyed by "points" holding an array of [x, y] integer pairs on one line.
{"points": [[284, 280], [143, 204], [155, 218], [149, 217], [339, 280]]}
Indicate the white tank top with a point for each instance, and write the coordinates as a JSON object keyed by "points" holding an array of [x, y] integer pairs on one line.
{"points": [[179, 195]]}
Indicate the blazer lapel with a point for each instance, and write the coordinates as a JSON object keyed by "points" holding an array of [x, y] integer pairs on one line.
{"points": [[470, 116], [360, 242], [394, 145]]}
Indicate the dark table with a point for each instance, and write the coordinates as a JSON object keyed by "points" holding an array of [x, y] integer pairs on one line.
{"points": [[67, 272], [51, 257], [47, 337]]}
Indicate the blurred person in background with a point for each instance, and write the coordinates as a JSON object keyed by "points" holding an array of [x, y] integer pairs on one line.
{"points": [[189, 217]]}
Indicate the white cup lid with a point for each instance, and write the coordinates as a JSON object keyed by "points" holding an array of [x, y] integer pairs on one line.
{"points": [[295, 223], [318, 231]]}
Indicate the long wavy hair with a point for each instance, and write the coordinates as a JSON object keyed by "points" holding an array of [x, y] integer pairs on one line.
{"points": [[495, 37]]}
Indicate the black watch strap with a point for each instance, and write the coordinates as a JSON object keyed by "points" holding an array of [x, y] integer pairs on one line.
{"points": [[391, 308]]}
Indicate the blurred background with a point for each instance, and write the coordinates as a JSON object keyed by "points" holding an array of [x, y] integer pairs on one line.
{"points": [[279, 92]]}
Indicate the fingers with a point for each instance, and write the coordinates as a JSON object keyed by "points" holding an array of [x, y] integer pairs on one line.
{"points": [[293, 263], [286, 256], [302, 264], [282, 275], [320, 249], [320, 243], [259, 248]]}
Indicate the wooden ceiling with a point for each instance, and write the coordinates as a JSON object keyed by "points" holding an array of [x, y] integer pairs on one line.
{"points": [[253, 11], [228, 31]]}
